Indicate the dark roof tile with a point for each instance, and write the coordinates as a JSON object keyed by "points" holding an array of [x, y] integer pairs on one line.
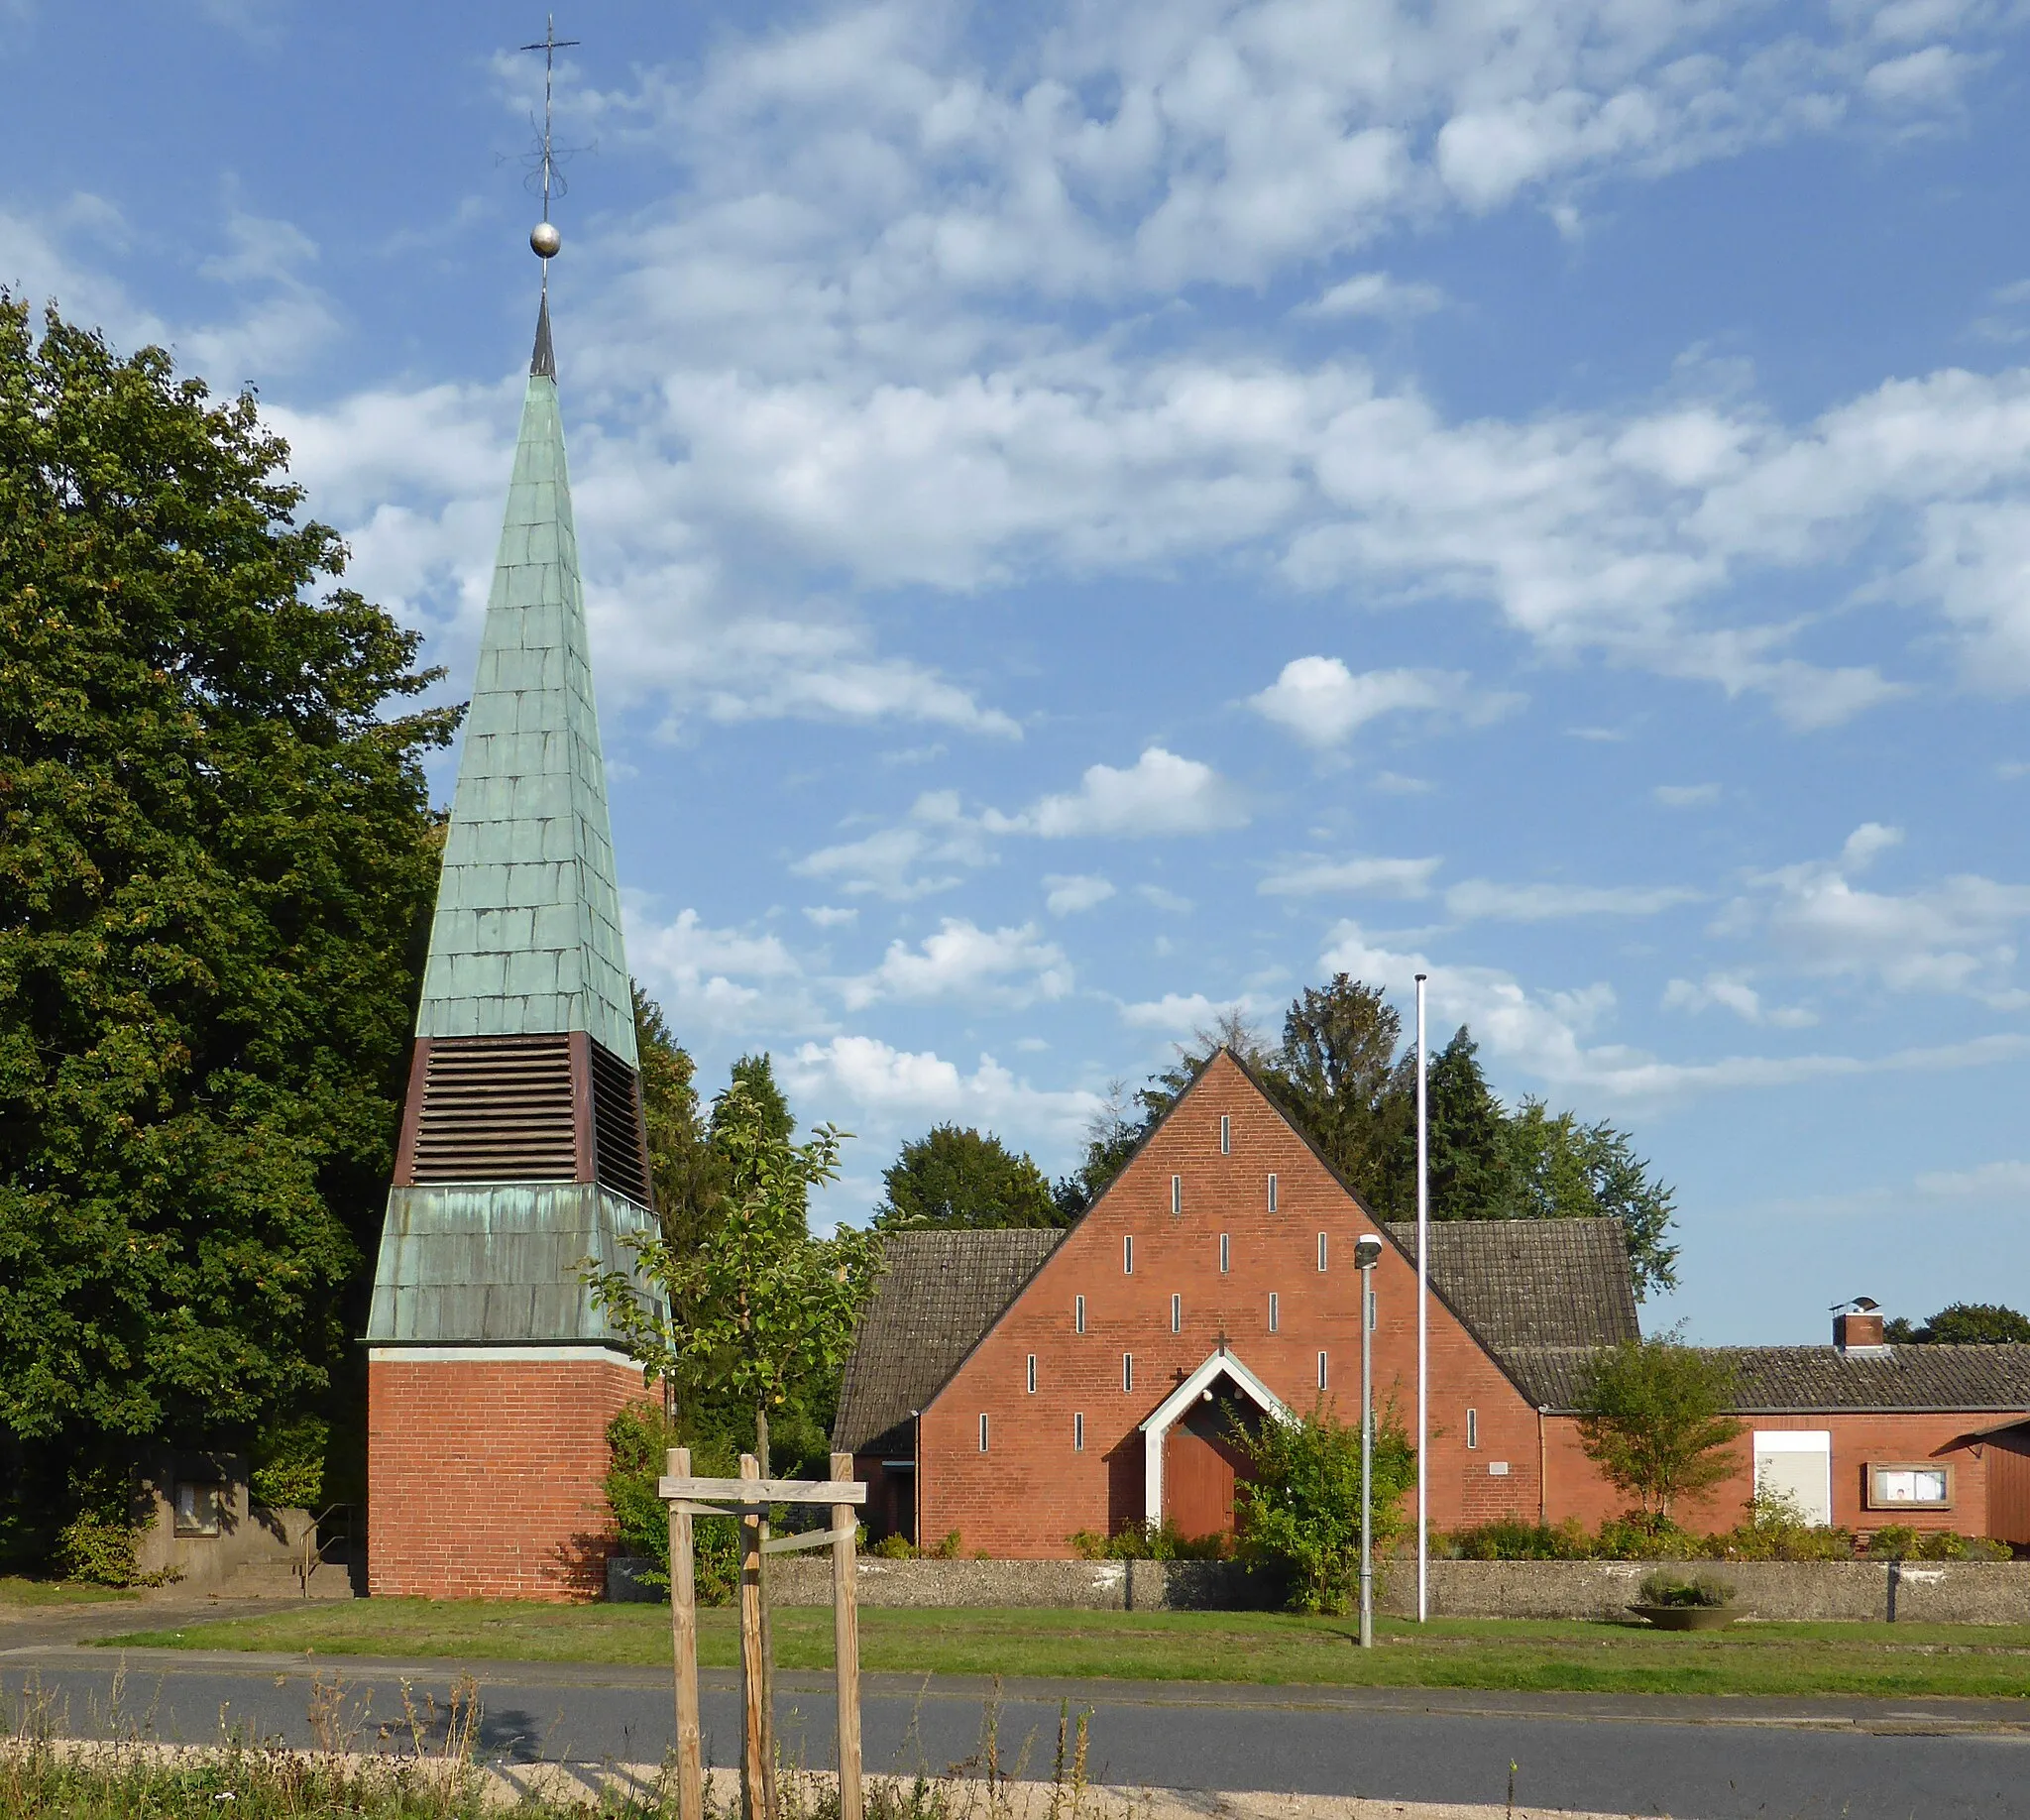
{"points": [[1533, 1282], [939, 1294]]}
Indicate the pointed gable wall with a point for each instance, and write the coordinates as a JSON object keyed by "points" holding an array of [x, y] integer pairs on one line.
{"points": [[1032, 1489]]}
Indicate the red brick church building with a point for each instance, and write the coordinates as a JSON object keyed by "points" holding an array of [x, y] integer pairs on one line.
{"points": [[1019, 1387]]}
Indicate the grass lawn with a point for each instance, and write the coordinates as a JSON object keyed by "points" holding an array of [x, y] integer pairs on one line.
{"points": [[1265, 1647], [17, 1591]]}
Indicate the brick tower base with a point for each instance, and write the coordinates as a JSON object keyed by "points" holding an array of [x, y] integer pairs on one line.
{"points": [[484, 1467]]}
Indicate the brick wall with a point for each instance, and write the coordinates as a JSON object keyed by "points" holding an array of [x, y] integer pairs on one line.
{"points": [[484, 1477], [1031, 1490], [1859, 1439]]}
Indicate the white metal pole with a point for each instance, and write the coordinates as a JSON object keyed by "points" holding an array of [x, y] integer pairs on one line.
{"points": [[1424, 1283], [1367, 1454]]}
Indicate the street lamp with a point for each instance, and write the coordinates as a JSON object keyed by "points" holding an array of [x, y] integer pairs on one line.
{"points": [[1367, 1253]]}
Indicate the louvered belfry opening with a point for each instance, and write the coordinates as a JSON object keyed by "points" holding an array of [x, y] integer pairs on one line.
{"points": [[619, 1157], [558, 1108]]}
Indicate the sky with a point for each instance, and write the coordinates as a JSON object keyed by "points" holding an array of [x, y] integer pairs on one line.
{"points": [[1095, 515]]}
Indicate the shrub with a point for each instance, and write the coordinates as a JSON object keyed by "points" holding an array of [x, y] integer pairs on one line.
{"points": [[1899, 1543], [1513, 1539], [1301, 1513], [1637, 1535], [1776, 1530], [637, 1437], [1654, 1419], [100, 1550], [1675, 1590], [1136, 1541]]}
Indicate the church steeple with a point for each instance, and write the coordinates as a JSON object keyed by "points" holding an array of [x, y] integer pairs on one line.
{"points": [[526, 937]]}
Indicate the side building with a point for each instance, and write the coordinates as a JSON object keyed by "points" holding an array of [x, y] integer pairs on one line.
{"points": [[1020, 1388], [492, 1375]]}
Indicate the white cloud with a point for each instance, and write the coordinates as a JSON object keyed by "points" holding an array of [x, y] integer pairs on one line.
{"points": [[718, 980], [1732, 992], [929, 852], [1323, 703], [1371, 877], [1687, 796], [1071, 892], [1182, 1013], [1376, 293], [1171, 902], [1546, 1034], [1483, 900], [1989, 1179], [1159, 794], [830, 916], [919, 1086], [962, 961], [1956, 936]]}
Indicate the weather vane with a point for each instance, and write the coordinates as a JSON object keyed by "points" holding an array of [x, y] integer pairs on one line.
{"points": [[543, 237]]}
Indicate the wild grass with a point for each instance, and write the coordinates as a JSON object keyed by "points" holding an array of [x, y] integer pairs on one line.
{"points": [[1262, 1647]]}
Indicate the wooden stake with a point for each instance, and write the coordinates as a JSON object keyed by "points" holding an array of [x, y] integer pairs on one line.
{"points": [[684, 1644], [845, 1637], [753, 1675]]}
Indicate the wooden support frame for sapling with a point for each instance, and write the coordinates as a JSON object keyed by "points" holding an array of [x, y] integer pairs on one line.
{"points": [[748, 1498]]}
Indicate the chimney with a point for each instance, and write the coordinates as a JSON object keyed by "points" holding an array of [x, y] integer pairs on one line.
{"points": [[1858, 1332]]}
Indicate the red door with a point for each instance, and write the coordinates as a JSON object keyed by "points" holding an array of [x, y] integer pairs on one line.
{"points": [[1201, 1465]]}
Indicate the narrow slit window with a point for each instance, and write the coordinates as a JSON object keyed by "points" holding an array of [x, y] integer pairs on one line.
{"points": [[1321, 1376], [1275, 1312], [1032, 1374], [1176, 1313], [1371, 1310], [1473, 1427], [1127, 1371], [1225, 1135], [1322, 1251], [1271, 1191], [1078, 1314], [982, 1433], [1225, 1255], [1079, 1433], [1128, 1255], [1177, 1195]]}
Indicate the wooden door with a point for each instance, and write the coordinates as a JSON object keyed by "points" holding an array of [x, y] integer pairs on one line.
{"points": [[1200, 1467], [2009, 1486]]}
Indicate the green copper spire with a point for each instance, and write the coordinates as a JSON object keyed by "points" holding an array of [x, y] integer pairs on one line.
{"points": [[527, 938]]}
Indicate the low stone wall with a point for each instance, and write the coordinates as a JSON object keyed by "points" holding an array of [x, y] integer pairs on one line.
{"points": [[1929, 1592], [1912, 1592], [1093, 1586]]}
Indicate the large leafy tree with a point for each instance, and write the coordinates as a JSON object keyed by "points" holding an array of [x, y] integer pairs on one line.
{"points": [[1962, 1323], [216, 862], [954, 1176]]}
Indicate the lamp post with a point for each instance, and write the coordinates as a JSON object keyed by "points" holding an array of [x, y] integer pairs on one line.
{"points": [[1367, 1252]]}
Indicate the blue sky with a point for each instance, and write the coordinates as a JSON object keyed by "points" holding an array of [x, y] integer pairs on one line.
{"points": [[1096, 514]]}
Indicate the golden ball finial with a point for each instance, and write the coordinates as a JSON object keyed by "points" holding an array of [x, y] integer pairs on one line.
{"points": [[546, 239]]}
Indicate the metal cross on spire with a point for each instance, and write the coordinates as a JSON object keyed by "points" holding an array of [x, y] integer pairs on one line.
{"points": [[549, 45]]}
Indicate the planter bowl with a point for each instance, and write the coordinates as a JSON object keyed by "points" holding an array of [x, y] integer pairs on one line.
{"points": [[1685, 1617]]}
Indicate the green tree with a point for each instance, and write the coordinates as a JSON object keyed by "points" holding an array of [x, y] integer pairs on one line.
{"points": [[1560, 1169], [1964, 1323], [216, 865], [756, 1308], [958, 1176], [1653, 1417], [684, 1168], [1298, 1511], [1338, 1077], [1111, 1135]]}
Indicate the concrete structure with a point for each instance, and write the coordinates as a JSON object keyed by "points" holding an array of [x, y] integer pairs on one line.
{"points": [[491, 1374], [1019, 1388]]}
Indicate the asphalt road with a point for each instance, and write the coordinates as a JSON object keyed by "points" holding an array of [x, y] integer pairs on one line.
{"points": [[1696, 1760]]}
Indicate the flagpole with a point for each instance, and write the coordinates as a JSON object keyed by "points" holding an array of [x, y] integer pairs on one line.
{"points": [[1424, 1283]]}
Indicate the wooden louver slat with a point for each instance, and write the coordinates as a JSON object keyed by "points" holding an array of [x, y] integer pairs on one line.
{"points": [[619, 1161], [496, 1110]]}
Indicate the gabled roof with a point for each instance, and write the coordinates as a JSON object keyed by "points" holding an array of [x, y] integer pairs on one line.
{"points": [[1533, 1282], [940, 1291], [1818, 1380], [527, 935]]}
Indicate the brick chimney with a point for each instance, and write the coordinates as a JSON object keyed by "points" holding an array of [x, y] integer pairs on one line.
{"points": [[1858, 1332]]}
